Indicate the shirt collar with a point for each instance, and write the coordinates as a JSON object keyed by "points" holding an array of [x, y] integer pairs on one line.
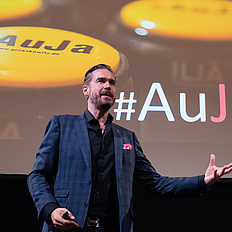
{"points": [[90, 118]]}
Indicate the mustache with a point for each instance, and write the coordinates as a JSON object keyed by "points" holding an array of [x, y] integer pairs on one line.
{"points": [[107, 92]]}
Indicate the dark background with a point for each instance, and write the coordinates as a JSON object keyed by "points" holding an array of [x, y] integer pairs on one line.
{"points": [[176, 148], [210, 212]]}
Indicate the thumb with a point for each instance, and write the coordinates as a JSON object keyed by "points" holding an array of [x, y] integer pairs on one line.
{"points": [[212, 160], [71, 216], [68, 215]]}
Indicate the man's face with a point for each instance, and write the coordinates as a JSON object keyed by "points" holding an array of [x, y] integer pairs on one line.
{"points": [[101, 90]]}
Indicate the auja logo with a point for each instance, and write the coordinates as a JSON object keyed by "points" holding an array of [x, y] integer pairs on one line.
{"points": [[10, 40]]}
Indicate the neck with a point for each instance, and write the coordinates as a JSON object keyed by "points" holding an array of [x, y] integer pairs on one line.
{"points": [[100, 115]]}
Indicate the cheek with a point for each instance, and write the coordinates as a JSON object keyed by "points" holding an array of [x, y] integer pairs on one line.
{"points": [[113, 90]]}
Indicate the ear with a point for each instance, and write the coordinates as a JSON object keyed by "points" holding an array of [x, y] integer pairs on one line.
{"points": [[85, 89]]}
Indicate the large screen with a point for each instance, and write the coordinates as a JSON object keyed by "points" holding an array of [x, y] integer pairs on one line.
{"points": [[173, 63]]}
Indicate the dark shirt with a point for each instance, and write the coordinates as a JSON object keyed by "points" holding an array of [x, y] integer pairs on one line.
{"points": [[104, 192]]}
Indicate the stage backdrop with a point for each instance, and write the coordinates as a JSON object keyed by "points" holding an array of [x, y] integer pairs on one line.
{"points": [[173, 61]]}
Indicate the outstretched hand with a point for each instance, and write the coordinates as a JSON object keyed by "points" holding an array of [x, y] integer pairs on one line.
{"points": [[213, 173]]}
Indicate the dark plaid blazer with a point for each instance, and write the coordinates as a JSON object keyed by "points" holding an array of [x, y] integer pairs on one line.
{"points": [[62, 171]]}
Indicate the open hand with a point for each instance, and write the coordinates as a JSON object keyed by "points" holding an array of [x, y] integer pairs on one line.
{"points": [[213, 173]]}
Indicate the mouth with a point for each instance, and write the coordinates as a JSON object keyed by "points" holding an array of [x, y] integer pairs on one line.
{"points": [[107, 94]]}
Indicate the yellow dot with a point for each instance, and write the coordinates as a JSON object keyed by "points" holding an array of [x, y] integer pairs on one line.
{"points": [[34, 57], [195, 20], [13, 9]]}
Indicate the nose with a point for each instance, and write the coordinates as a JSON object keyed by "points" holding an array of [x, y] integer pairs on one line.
{"points": [[107, 85]]}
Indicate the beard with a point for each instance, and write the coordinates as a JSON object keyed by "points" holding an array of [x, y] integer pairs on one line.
{"points": [[100, 104]]}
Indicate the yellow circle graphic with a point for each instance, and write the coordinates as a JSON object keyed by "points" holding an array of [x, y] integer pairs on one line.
{"points": [[11, 9], [35, 57], [195, 19]]}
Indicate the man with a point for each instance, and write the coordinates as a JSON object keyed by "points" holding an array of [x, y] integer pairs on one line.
{"points": [[86, 166]]}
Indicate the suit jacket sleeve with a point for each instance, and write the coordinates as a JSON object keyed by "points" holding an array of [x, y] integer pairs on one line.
{"points": [[44, 170], [147, 177]]}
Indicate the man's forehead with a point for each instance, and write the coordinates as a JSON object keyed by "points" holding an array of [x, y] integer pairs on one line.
{"points": [[103, 73]]}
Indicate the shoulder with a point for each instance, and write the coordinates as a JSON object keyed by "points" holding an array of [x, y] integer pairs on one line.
{"points": [[67, 117]]}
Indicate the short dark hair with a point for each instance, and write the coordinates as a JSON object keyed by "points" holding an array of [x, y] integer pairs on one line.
{"points": [[88, 76]]}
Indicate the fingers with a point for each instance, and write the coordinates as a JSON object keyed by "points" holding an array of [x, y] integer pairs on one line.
{"points": [[60, 222], [229, 166], [220, 172], [227, 169], [224, 170], [64, 224]]}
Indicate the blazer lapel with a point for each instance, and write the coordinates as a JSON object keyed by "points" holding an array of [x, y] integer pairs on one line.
{"points": [[83, 138], [118, 145]]}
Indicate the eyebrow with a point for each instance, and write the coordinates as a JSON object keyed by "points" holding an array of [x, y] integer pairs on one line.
{"points": [[111, 80]]}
